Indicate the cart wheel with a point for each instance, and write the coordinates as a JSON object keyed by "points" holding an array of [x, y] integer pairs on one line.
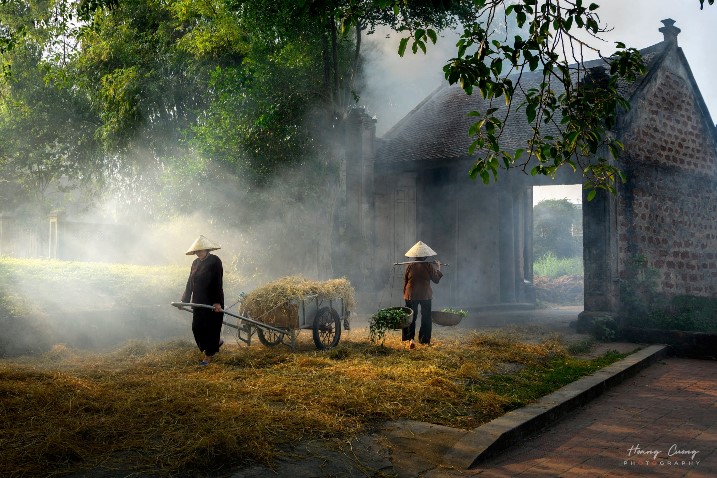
{"points": [[269, 338], [327, 328]]}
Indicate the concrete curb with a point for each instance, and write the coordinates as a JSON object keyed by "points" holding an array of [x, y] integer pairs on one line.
{"points": [[488, 440]]}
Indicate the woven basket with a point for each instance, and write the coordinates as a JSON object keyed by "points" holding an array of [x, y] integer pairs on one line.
{"points": [[445, 318]]}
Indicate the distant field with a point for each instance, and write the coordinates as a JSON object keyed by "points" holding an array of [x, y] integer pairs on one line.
{"points": [[87, 304]]}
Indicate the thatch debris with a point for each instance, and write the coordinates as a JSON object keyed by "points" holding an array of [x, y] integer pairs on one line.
{"points": [[563, 290], [149, 409]]}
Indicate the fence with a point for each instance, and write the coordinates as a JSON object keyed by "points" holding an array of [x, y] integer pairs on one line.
{"points": [[19, 238], [63, 239]]}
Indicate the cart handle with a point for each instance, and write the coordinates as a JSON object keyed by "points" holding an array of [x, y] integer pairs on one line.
{"points": [[184, 305]]}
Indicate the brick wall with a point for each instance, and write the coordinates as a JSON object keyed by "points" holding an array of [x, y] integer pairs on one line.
{"points": [[667, 211], [669, 128]]}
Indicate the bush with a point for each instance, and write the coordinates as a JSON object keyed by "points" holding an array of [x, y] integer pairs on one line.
{"points": [[683, 312], [604, 329]]}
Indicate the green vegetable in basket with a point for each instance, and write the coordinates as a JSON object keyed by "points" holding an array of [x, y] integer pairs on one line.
{"points": [[460, 312], [384, 320]]}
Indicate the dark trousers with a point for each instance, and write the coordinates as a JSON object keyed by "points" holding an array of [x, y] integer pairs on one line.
{"points": [[206, 327], [424, 333]]}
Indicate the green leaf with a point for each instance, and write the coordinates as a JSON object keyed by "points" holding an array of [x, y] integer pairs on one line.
{"points": [[591, 194], [507, 160], [572, 137], [462, 47], [494, 164], [614, 150], [545, 150], [485, 176], [432, 35], [402, 46], [497, 66], [475, 128], [530, 112], [533, 63]]}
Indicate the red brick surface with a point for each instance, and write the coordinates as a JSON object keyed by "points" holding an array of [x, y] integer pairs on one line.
{"points": [[672, 403], [665, 216], [671, 130]]}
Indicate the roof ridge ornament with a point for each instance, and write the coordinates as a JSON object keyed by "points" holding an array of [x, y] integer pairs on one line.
{"points": [[670, 31]]}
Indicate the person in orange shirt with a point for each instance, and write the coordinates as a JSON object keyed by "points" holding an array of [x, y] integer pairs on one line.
{"points": [[417, 292]]}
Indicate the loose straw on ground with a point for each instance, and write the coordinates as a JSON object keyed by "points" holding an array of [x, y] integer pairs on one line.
{"points": [[148, 409]]}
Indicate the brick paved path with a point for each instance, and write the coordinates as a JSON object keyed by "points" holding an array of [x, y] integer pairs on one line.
{"points": [[670, 407]]}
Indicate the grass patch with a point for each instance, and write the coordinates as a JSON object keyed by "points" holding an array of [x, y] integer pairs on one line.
{"points": [[86, 304], [558, 281], [553, 267], [32, 284], [149, 409], [538, 380], [580, 347]]}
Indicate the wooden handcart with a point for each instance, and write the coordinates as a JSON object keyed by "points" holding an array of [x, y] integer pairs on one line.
{"points": [[322, 315]]}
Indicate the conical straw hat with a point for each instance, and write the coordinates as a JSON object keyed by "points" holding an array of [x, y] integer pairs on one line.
{"points": [[202, 244], [419, 249]]}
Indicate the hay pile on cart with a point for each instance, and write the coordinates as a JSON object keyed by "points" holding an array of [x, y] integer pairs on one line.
{"points": [[276, 303]]}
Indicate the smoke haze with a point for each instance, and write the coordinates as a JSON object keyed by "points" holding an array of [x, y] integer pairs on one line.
{"points": [[395, 85], [286, 228], [264, 233]]}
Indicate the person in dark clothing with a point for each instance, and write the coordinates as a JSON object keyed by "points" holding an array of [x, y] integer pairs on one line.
{"points": [[417, 292], [204, 286]]}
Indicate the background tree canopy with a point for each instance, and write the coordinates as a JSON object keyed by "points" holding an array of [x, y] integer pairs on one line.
{"points": [[152, 99], [557, 229]]}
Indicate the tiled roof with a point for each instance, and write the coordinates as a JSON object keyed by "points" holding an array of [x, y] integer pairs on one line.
{"points": [[437, 129]]}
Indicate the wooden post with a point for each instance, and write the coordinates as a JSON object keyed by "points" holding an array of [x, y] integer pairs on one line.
{"points": [[54, 239]]}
